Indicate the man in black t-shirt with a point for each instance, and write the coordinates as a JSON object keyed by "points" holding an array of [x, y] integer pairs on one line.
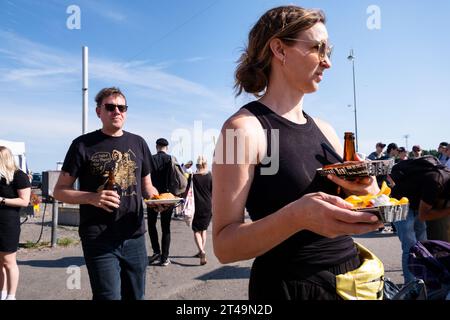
{"points": [[111, 221], [426, 192], [162, 163]]}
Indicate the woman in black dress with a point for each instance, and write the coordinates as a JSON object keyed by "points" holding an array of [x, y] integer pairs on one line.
{"points": [[202, 183], [15, 190]]}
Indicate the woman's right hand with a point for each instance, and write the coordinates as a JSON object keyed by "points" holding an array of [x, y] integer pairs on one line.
{"points": [[105, 199], [330, 216]]}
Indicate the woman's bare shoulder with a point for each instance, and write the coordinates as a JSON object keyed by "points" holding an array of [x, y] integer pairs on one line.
{"points": [[242, 119]]}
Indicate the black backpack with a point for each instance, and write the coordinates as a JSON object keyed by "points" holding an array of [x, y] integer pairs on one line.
{"points": [[418, 166]]}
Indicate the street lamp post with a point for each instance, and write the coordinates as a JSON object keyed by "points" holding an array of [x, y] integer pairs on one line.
{"points": [[351, 58], [406, 136], [354, 111]]}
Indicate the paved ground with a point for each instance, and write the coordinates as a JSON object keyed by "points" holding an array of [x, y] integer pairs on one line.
{"points": [[60, 273]]}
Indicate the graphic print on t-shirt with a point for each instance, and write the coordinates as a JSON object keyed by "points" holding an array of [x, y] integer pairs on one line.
{"points": [[123, 165]]}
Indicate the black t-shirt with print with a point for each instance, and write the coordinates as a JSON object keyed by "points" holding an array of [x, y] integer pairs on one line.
{"points": [[90, 158]]}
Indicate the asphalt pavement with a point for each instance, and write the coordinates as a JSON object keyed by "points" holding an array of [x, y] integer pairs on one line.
{"points": [[60, 273]]}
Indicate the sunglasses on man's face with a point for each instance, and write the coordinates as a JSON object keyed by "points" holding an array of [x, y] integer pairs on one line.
{"points": [[112, 107]]}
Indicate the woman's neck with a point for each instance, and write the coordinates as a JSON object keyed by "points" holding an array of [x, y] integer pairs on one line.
{"points": [[287, 103]]}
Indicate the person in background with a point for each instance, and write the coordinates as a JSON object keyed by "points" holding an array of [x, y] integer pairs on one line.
{"points": [[402, 155], [427, 192], [112, 228], [442, 152], [416, 152], [162, 166], [15, 191], [378, 153], [202, 183], [298, 225], [187, 167], [391, 153], [447, 152]]}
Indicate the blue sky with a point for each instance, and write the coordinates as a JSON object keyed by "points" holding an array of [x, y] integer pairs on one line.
{"points": [[175, 61]]}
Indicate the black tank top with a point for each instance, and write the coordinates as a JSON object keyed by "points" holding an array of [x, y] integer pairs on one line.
{"points": [[300, 154]]}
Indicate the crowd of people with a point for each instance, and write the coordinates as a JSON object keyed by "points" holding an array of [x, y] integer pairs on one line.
{"points": [[400, 153], [300, 226]]}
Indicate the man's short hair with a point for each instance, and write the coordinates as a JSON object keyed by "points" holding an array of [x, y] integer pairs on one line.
{"points": [[107, 92], [443, 144], [381, 145], [391, 146], [401, 149], [162, 142], [416, 148]]}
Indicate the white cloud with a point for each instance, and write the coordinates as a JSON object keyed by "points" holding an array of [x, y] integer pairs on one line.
{"points": [[44, 101], [36, 63]]}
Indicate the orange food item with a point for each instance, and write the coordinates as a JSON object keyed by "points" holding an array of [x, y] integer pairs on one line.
{"points": [[369, 200], [162, 196]]}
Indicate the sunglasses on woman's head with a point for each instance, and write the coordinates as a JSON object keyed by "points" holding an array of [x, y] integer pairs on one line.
{"points": [[112, 107]]}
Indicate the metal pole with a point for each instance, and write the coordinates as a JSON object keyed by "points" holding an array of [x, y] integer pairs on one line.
{"points": [[85, 90], [406, 140], [54, 223], [351, 57], [354, 102]]}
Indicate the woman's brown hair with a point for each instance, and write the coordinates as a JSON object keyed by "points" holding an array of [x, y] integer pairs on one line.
{"points": [[253, 70]]}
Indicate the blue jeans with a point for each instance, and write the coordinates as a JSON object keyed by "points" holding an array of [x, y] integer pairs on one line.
{"points": [[409, 232], [116, 268]]}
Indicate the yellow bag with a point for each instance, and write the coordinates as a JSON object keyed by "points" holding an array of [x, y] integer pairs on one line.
{"points": [[364, 283]]}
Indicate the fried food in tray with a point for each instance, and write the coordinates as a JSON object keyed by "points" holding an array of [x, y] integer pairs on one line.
{"points": [[386, 208], [164, 198]]}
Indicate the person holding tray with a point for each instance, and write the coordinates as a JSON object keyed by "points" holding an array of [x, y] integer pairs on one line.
{"points": [[265, 163], [162, 163]]}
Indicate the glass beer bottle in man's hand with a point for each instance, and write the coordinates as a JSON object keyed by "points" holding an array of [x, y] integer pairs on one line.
{"points": [[112, 185]]}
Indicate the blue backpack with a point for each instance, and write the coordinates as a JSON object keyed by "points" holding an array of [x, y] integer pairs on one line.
{"points": [[430, 261]]}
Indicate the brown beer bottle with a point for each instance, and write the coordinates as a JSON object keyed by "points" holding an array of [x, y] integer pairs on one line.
{"points": [[112, 185], [349, 147]]}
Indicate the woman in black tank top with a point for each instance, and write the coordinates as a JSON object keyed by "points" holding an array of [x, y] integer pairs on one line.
{"points": [[266, 161]]}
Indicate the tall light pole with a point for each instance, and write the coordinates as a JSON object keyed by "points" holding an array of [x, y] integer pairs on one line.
{"points": [[351, 58], [354, 111], [406, 136], [85, 90]]}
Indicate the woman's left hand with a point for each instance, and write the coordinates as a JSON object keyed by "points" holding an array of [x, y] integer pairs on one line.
{"points": [[358, 186]]}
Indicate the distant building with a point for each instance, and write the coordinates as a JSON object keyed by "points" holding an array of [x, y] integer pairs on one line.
{"points": [[18, 151]]}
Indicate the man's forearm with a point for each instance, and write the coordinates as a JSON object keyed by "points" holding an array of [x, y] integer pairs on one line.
{"points": [[73, 196], [434, 214]]}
